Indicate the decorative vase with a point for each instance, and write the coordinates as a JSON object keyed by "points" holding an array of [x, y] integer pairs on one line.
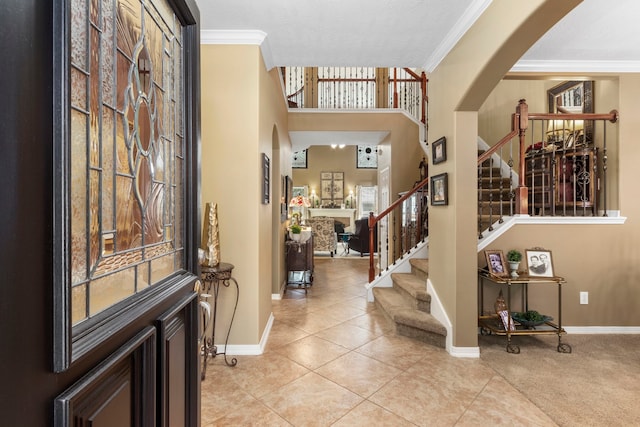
{"points": [[514, 265], [295, 236]]}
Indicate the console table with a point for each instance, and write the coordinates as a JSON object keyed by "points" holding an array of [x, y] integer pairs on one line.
{"points": [[212, 278], [493, 324], [345, 216]]}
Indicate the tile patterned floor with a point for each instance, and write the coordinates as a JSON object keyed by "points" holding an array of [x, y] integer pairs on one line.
{"points": [[333, 360]]}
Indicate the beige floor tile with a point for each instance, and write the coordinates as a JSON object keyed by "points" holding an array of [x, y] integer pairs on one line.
{"points": [[314, 322], [358, 373], [266, 373], [439, 365], [341, 312], [424, 402], [312, 352], [500, 404], [346, 335], [221, 396], [373, 321], [254, 414], [397, 351], [312, 401], [368, 414], [283, 333]]}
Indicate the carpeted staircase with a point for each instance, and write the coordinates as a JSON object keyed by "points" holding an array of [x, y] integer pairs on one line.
{"points": [[408, 305], [495, 198]]}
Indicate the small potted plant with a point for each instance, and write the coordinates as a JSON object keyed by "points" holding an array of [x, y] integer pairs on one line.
{"points": [[513, 258], [294, 232]]}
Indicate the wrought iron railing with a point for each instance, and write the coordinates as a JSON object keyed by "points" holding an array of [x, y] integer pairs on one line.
{"points": [[357, 88], [400, 228], [562, 167]]}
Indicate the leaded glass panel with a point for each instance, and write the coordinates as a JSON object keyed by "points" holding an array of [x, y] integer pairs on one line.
{"points": [[126, 150]]}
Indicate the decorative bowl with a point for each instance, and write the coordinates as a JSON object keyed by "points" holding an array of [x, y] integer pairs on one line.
{"points": [[521, 318]]}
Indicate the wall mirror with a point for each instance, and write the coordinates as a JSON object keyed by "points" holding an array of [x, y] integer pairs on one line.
{"points": [[574, 97]]}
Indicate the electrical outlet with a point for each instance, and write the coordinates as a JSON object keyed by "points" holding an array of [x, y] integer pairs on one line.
{"points": [[584, 297]]}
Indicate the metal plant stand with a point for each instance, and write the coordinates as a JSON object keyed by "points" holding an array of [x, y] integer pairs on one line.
{"points": [[212, 278]]}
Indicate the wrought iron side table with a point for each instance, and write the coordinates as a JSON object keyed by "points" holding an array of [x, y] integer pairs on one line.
{"points": [[212, 278]]}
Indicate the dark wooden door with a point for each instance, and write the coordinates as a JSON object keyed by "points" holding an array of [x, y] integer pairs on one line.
{"points": [[140, 366]]}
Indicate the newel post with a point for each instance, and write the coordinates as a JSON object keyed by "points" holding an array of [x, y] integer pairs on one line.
{"points": [[522, 192]]}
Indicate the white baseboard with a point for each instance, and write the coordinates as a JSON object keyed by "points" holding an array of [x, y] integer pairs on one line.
{"points": [[469, 352], [611, 330], [251, 349]]}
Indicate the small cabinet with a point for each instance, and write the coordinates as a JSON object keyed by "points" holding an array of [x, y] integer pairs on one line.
{"points": [[299, 262], [562, 180]]}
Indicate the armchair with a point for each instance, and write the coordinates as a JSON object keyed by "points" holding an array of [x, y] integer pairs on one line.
{"points": [[324, 234], [359, 241]]}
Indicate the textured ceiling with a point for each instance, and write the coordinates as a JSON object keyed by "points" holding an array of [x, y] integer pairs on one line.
{"points": [[601, 34], [598, 36]]}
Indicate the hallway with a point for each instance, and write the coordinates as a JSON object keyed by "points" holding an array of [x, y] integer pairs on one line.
{"points": [[333, 359]]}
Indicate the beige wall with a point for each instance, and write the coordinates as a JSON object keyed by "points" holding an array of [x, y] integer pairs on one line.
{"points": [[457, 88], [242, 113], [321, 158], [405, 155]]}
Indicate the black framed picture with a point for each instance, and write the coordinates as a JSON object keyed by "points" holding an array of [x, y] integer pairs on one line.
{"points": [[439, 190], [299, 159], [266, 173], [439, 151], [367, 157]]}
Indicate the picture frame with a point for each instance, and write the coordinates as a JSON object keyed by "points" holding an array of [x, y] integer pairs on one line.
{"points": [[366, 157], [439, 190], [266, 174], [299, 159], [539, 262], [439, 150], [496, 263]]}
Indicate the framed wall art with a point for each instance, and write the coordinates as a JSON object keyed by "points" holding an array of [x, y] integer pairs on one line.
{"points": [[439, 190], [299, 159], [331, 189], [367, 157], [439, 151], [266, 173]]}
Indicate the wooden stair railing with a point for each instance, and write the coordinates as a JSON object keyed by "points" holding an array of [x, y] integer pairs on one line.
{"points": [[521, 122], [374, 221]]}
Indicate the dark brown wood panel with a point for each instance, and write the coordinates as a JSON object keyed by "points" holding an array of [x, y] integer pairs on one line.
{"points": [[118, 392]]}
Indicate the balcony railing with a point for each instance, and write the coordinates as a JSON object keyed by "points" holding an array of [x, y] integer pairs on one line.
{"points": [[357, 88], [548, 165]]}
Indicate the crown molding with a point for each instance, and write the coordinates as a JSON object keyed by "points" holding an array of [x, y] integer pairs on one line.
{"points": [[240, 37], [465, 22], [583, 66]]}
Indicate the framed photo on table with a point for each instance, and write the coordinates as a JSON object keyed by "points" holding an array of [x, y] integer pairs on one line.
{"points": [[496, 263], [539, 262]]}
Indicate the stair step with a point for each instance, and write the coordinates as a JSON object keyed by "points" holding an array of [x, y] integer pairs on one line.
{"points": [[409, 321], [420, 267], [413, 289]]}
